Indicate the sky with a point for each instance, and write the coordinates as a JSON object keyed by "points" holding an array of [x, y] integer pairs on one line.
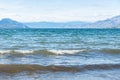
{"points": [[59, 10]]}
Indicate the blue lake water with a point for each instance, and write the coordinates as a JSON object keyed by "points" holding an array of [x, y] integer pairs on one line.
{"points": [[94, 51]]}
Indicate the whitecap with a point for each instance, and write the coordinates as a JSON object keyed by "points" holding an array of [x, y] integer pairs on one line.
{"points": [[66, 51]]}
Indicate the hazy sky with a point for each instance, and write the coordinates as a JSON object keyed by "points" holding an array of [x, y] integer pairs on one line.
{"points": [[59, 10]]}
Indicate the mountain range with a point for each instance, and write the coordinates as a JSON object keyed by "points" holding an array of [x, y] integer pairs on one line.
{"points": [[113, 22]]}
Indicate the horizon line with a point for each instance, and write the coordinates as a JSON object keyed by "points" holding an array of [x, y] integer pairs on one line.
{"points": [[60, 21]]}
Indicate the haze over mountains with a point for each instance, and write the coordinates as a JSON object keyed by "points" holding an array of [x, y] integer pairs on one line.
{"points": [[9, 24], [113, 22]]}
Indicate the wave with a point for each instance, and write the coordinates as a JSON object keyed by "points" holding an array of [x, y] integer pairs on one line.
{"points": [[116, 51], [57, 52], [16, 68]]}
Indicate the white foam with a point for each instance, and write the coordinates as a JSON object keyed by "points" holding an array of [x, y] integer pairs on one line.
{"points": [[41, 51], [65, 51], [24, 51], [4, 51], [16, 51]]}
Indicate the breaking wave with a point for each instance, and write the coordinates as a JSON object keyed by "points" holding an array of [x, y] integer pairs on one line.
{"points": [[57, 52]]}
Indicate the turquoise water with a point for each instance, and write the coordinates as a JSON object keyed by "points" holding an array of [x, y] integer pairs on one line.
{"points": [[94, 48], [41, 39]]}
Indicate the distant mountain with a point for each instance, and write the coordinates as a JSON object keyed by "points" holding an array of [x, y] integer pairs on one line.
{"points": [[74, 24], [113, 22], [108, 23], [9, 24]]}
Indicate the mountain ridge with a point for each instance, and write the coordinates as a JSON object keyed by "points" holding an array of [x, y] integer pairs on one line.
{"points": [[113, 22], [8, 23]]}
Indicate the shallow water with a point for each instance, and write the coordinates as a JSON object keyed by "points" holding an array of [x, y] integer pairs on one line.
{"points": [[93, 54]]}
